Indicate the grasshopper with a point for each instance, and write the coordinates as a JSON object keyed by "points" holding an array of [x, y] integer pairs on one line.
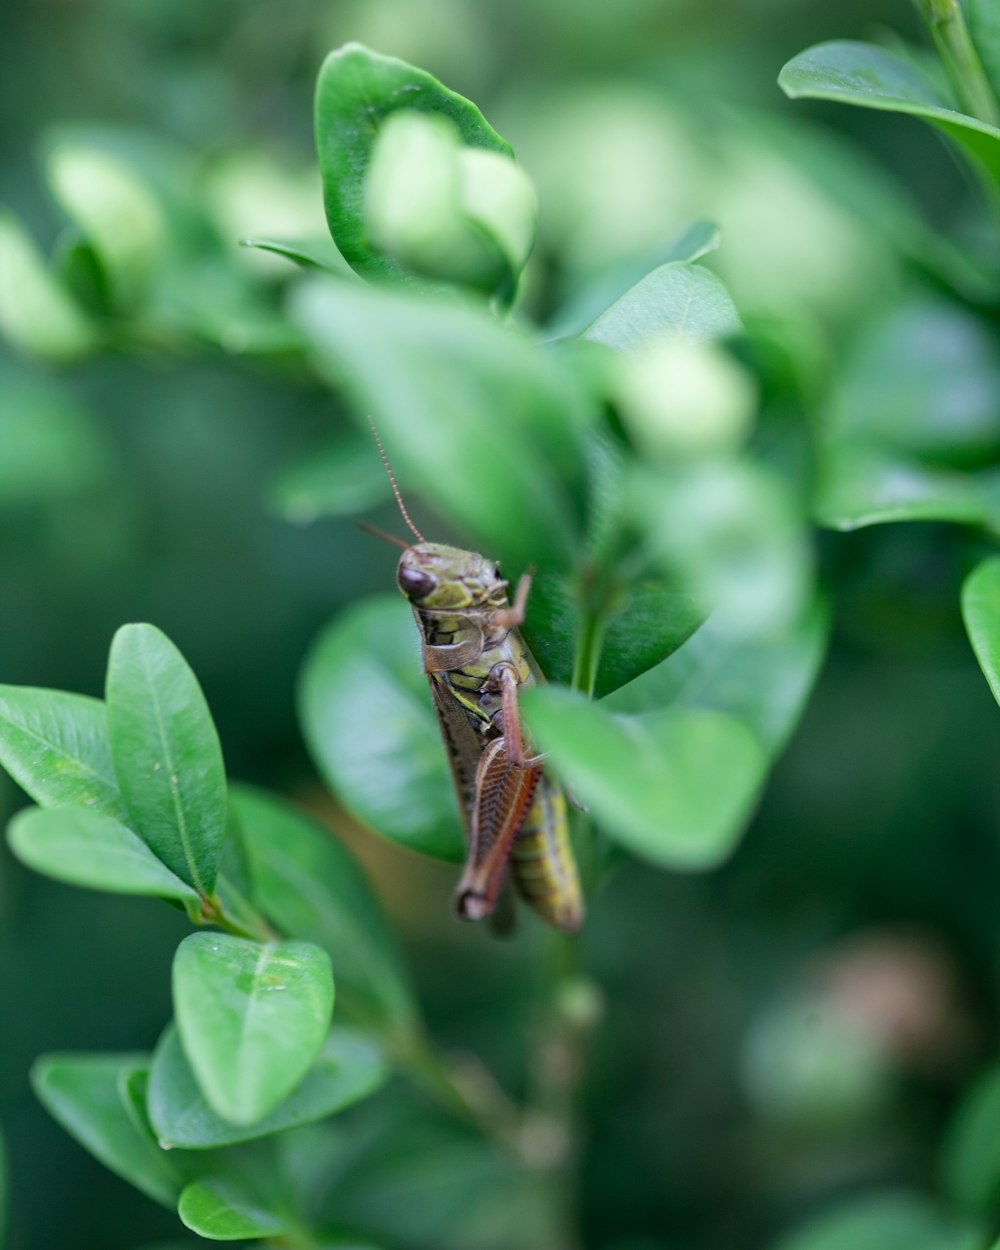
{"points": [[513, 813]]}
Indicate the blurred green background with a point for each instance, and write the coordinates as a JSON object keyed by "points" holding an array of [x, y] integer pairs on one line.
{"points": [[780, 1032]]}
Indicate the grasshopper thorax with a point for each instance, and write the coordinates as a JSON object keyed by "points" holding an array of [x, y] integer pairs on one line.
{"points": [[440, 578]]}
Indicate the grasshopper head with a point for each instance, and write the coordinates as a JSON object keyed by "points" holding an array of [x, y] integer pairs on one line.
{"points": [[433, 576]]}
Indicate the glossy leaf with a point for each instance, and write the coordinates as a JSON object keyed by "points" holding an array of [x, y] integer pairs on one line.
{"points": [[692, 243], [310, 885], [368, 720], [166, 754], [349, 1067], [451, 389], [981, 613], [674, 786], [252, 1017], [649, 621], [55, 746], [83, 847], [680, 300], [220, 1211], [763, 680], [922, 379], [672, 763], [314, 254], [886, 1221], [872, 77], [970, 1159], [859, 487], [86, 1093], [356, 90], [338, 478]]}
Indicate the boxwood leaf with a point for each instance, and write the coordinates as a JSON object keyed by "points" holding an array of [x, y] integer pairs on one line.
{"points": [[348, 1068], [859, 486], [221, 1211], [886, 1221], [356, 90], [674, 785], [55, 746], [314, 254], [763, 679], [86, 848], [981, 613], [310, 885], [451, 390], [166, 754], [675, 299], [368, 720], [649, 622], [252, 1017], [85, 1093], [872, 77]]}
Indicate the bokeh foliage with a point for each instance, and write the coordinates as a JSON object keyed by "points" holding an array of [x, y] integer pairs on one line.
{"points": [[172, 402]]}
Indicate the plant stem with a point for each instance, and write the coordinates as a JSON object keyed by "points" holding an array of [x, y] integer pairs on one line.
{"points": [[472, 1096], [552, 1133], [946, 23]]}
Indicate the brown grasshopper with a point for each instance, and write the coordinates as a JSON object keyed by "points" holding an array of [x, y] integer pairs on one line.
{"points": [[477, 664]]}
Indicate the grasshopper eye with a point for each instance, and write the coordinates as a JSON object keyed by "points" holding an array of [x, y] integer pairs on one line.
{"points": [[415, 583]]}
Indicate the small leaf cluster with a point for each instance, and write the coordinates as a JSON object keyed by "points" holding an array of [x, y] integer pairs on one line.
{"points": [[132, 798], [617, 461]]}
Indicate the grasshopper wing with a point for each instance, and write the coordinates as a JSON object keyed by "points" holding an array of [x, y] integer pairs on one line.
{"points": [[503, 794]]}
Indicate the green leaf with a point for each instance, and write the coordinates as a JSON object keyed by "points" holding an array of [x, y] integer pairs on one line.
{"points": [[37, 314], [872, 77], [981, 613], [314, 254], [679, 300], [166, 754], [859, 487], [923, 380], [673, 786], [886, 1221], [649, 621], [692, 243], [83, 847], [220, 1211], [55, 746], [356, 90], [349, 1067], [310, 885], [970, 1161], [252, 1017], [762, 680], [672, 763], [87, 1095], [338, 478], [453, 391], [368, 720]]}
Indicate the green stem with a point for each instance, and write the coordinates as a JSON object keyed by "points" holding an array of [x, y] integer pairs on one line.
{"points": [[552, 1132], [471, 1096], [946, 23], [248, 924]]}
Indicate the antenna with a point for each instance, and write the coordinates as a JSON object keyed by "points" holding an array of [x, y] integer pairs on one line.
{"points": [[386, 537], [395, 488]]}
